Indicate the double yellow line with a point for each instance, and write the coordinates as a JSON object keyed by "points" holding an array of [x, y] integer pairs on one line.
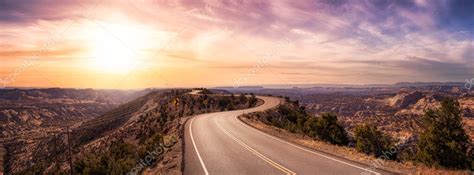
{"points": [[261, 156]]}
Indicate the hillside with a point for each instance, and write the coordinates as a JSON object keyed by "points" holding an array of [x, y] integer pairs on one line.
{"points": [[23, 111], [323, 132], [123, 136]]}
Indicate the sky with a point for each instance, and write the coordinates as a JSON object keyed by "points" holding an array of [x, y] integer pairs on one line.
{"points": [[123, 44]]}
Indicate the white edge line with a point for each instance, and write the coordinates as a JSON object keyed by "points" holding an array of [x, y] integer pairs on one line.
{"points": [[307, 150], [195, 147]]}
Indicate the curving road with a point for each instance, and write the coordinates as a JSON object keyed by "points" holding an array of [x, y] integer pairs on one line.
{"points": [[219, 143]]}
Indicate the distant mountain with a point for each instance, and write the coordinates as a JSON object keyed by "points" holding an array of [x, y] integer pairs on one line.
{"points": [[240, 87], [316, 85], [418, 84]]}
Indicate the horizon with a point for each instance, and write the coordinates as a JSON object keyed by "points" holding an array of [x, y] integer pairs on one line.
{"points": [[142, 44], [263, 86]]}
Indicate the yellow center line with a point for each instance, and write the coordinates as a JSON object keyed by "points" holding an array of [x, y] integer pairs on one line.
{"points": [[266, 159]]}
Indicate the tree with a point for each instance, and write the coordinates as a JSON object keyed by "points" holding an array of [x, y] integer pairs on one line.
{"points": [[224, 103], [290, 113], [370, 140], [310, 127], [230, 106], [242, 99], [444, 141], [253, 100], [327, 128], [119, 159], [289, 117]]}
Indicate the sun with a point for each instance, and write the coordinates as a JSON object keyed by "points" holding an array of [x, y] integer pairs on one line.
{"points": [[117, 47], [111, 56]]}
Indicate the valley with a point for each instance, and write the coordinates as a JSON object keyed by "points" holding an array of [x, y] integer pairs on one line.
{"points": [[58, 130], [135, 126]]}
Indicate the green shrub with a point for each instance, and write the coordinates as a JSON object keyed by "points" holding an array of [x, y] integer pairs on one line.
{"points": [[289, 118], [224, 103], [253, 100], [242, 99], [310, 127], [328, 129], [120, 159], [369, 140]]}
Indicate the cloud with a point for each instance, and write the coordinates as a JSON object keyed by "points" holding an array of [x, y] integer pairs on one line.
{"points": [[28, 11], [11, 54], [381, 40], [445, 70]]}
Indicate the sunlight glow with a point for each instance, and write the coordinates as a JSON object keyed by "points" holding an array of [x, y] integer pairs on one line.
{"points": [[117, 47]]}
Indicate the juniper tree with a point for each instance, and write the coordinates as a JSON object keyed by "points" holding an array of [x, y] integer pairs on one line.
{"points": [[444, 142]]}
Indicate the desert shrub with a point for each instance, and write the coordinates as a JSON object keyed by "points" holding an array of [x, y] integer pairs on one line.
{"points": [[444, 141], [242, 99], [370, 140], [224, 103], [290, 113], [290, 118], [328, 129], [309, 127], [120, 159], [252, 100]]}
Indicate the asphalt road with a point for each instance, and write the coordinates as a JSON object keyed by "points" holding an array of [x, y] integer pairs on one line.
{"points": [[219, 143]]}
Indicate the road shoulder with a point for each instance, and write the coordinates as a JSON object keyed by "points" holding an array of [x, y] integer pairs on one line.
{"points": [[306, 142]]}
